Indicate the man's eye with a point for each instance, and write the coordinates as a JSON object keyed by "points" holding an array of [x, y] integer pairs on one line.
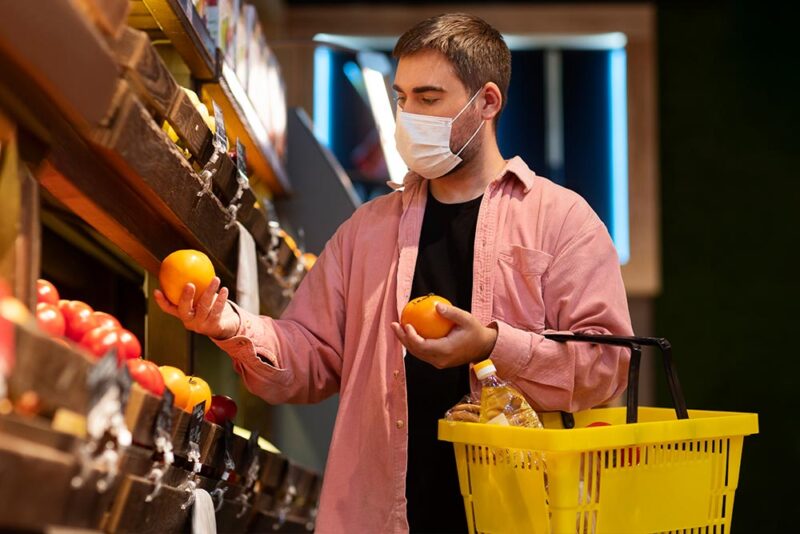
{"points": [[429, 101]]}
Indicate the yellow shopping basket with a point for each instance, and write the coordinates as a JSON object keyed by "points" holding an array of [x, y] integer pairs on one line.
{"points": [[646, 470]]}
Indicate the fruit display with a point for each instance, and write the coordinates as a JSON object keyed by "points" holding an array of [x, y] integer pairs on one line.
{"points": [[422, 315]]}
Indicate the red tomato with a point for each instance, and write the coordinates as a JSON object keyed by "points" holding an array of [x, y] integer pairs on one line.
{"points": [[105, 319], [78, 316], [50, 319], [128, 346], [46, 292], [100, 340], [223, 408], [147, 375]]}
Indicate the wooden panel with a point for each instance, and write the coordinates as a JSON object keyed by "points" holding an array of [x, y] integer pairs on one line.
{"points": [[189, 36], [189, 124], [131, 513], [62, 71], [152, 81], [108, 15], [26, 502], [54, 371], [10, 201]]}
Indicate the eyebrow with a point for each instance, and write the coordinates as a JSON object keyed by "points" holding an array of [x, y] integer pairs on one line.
{"points": [[422, 89]]}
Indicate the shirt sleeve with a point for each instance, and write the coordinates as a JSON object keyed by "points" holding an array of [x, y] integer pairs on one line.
{"points": [[583, 292], [297, 358]]}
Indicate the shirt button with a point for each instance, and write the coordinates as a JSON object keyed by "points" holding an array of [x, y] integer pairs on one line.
{"points": [[400, 423], [396, 374]]}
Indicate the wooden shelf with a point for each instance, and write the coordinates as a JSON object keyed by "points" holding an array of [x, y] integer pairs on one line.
{"points": [[183, 27], [178, 21], [242, 122], [108, 161]]}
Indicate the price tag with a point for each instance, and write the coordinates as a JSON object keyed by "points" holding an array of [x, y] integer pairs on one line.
{"points": [[164, 417], [196, 423], [221, 137], [251, 460], [125, 382], [241, 163], [101, 377], [228, 442]]}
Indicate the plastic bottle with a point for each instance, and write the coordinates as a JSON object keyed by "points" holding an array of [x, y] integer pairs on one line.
{"points": [[500, 403]]}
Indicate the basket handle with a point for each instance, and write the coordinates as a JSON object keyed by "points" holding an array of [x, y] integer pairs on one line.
{"points": [[635, 344]]}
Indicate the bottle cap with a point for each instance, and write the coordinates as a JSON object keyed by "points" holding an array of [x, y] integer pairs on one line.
{"points": [[484, 369]]}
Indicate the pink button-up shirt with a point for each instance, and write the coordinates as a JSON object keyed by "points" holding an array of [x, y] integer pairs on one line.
{"points": [[544, 261]]}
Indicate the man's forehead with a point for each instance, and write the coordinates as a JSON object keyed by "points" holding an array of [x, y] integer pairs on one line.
{"points": [[427, 68]]}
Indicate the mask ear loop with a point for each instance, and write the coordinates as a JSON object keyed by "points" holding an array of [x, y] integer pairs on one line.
{"points": [[465, 106], [470, 139]]}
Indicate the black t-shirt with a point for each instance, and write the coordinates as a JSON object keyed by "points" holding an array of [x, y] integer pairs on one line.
{"points": [[444, 267]]}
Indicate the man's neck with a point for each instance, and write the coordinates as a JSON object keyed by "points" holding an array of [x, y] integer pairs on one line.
{"points": [[469, 181]]}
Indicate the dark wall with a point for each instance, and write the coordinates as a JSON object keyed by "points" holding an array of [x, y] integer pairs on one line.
{"points": [[728, 84]]}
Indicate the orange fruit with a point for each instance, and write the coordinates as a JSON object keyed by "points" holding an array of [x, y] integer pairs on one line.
{"points": [[199, 391], [183, 267], [422, 315], [175, 381]]}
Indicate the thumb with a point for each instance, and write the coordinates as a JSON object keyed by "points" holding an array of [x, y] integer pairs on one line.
{"points": [[457, 315]]}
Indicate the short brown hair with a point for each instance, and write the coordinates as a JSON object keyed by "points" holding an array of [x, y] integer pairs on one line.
{"points": [[476, 50]]}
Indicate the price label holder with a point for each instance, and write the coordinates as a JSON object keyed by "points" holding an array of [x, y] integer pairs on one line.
{"points": [[227, 442], [162, 429], [220, 143], [108, 387]]}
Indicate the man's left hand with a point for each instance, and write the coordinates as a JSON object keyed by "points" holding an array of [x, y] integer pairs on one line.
{"points": [[468, 341]]}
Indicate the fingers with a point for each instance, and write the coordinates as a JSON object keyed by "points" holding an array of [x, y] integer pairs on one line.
{"points": [[414, 338], [215, 313], [165, 305], [457, 315], [185, 308], [206, 301]]}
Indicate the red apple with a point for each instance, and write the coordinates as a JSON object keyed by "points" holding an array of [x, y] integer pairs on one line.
{"points": [[105, 319], [147, 375]]}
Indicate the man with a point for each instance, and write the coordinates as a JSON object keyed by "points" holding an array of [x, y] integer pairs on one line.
{"points": [[515, 253]]}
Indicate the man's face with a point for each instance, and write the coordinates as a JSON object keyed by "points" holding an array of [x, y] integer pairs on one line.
{"points": [[426, 84]]}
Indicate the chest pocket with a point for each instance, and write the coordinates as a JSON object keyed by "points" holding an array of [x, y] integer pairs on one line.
{"points": [[518, 298]]}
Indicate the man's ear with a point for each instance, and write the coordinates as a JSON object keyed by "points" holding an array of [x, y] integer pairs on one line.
{"points": [[492, 101]]}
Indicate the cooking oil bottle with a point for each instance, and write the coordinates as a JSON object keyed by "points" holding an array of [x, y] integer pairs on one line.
{"points": [[500, 403]]}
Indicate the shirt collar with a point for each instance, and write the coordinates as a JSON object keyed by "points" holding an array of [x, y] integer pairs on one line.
{"points": [[515, 167]]}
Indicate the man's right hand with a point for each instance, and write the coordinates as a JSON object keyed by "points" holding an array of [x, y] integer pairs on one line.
{"points": [[210, 315]]}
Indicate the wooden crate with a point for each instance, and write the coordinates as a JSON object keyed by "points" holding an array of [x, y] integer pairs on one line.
{"points": [[56, 372], [37, 465]]}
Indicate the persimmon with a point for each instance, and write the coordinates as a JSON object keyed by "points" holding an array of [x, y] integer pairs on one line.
{"points": [[183, 267], [422, 315]]}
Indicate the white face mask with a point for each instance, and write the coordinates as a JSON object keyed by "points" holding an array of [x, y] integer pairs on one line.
{"points": [[423, 142]]}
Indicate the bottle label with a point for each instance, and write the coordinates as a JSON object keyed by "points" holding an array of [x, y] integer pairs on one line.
{"points": [[499, 419]]}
